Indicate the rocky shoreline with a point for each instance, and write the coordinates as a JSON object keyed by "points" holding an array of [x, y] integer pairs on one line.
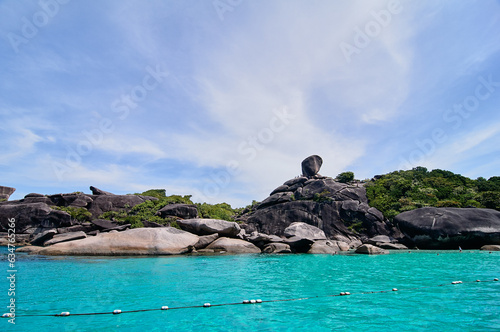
{"points": [[309, 214]]}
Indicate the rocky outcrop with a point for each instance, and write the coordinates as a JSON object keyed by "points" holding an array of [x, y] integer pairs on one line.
{"points": [[105, 203], [277, 248], [233, 246], [490, 247], [304, 231], [210, 226], [184, 211], [449, 228], [340, 210], [5, 192], [311, 165], [70, 236], [370, 250], [97, 191], [138, 241], [324, 247], [32, 217]]}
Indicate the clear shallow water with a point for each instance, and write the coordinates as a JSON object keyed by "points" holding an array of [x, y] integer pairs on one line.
{"points": [[50, 285]]}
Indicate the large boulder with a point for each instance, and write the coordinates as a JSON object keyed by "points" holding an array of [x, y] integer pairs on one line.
{"points": [[137, 241], [233, 246], [369, 249], [184, 211], [5, 192], [97, 191], [210, 226], [490, 247], [77, 200], [324, 247], [277, 248], [105, 203], [311, 165], [31, 217], [70, 236], [304, 231], [449, 228]]}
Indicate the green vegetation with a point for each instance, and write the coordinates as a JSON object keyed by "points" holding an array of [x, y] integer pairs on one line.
{"points": [[147, 211], [222, 211], [345, 177], [79, 214], [401, 191], [322, 197]]}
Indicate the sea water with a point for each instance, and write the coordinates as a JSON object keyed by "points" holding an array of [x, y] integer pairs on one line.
{"points": [[426, 299]]}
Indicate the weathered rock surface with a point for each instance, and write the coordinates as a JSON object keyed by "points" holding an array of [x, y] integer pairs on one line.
{"points": [[78, 200], [44, 236], [105, 203], [491, 247], [184, 211], [205, 240], [32, 216], [137, 241], [304, 231], [311, 165], [58, 238], [449, 228], [97, 191], [370, 250], [233, 246], [5, 192], [324, 247], [210, 226], [277, 248]]}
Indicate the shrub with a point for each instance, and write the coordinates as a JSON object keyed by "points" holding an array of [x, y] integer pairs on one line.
{"points": [[80, 214], [345, 177]]}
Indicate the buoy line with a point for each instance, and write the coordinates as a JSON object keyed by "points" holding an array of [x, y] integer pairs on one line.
{"points": [[256, 301]]}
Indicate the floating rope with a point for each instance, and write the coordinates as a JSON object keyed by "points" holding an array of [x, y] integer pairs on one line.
{"points": [[257, 301]]}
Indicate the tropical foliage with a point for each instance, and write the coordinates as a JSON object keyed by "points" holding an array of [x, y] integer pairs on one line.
{"points": [[401, 191]]}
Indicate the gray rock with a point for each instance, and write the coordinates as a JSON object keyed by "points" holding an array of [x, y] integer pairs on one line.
{"points": [[137, 241], [29, 249], [298, 244], [305, 231], [391, 246], [370, 250], [58, 238], [104, 224], [97, 191], [147, 223], [490, 247], [324, 247], [205, 240], [74, 200], [32, 216], [184, 211], [105, 203], [311, 165], [449, 228], [210, 226], [44, 236], [5, 192], [378, 239], [75, 228], [280, 189], [277, 248], [233, 246]]}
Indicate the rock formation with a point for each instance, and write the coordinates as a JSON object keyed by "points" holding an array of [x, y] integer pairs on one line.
{"points": [[449, 228], [5, 192], [340, 210]]}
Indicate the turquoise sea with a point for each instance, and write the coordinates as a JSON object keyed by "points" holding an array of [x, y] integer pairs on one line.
{"points": [[425, 300]]}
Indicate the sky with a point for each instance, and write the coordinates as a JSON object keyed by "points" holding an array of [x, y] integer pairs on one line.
{"points": [[223, 99]]}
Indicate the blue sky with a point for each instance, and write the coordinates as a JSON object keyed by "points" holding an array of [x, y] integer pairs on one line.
{"points": [[223, 99]]}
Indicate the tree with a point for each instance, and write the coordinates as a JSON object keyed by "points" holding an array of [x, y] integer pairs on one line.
{"points": [[345, 177]]}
